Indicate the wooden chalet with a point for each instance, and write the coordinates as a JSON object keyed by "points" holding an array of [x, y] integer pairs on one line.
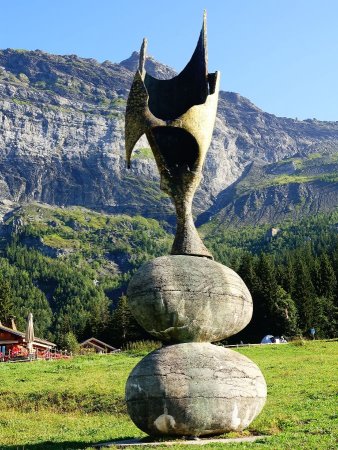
{"points": [[97, 346], [13, 343]]}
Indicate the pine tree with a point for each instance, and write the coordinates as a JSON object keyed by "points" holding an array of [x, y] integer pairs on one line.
{"points": [[304, 296], [286, 274], [316, 276], [326, 320], [261, 281], [274, 310], [334, 259], [328, 280], [123, 317], [124, 327], [268, 295], [247, 271], [99, 316], [6, 302], [284, 314]]}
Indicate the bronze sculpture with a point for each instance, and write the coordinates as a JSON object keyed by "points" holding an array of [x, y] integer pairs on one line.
{"points": [[178, 117]]}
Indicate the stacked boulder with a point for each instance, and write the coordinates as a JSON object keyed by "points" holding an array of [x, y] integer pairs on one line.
{"points": [[190, 387]]}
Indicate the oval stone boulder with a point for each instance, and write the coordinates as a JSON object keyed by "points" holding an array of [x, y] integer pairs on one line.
{"points": [[194, 389], [181, 298]]}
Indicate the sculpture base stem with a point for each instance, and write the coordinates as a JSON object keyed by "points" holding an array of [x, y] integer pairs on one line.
{"points": [[187, 240]]}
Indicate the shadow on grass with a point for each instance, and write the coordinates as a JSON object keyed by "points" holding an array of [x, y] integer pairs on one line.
{"points": [[72, 445], [48, 446], [66, 445]]}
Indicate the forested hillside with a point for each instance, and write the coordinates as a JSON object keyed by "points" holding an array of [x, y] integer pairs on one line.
{"points": [[291, 272], [70, 267]]}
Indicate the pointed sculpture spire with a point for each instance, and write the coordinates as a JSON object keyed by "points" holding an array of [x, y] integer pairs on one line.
{"points": [[143, 57]]}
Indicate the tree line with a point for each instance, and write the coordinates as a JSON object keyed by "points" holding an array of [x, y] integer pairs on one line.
{"points": [[292, 279], [292, 294]]}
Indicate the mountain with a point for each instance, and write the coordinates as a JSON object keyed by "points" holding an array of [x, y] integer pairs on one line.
{"points": [[270, 193], [62, 141]]}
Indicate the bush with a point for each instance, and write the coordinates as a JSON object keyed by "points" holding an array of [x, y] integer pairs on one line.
{"points": [[141, 347], [70, 343]]}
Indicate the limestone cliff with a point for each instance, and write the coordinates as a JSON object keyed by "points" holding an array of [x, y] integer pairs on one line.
{"points": [[62, 137], [269, 193]]}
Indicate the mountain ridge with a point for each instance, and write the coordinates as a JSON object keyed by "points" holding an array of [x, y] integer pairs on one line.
{"points": [[62, 137]]}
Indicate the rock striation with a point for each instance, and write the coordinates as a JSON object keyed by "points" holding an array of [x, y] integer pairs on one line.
{"points": [[193, 390], [189, 299], [270, 193], [62, 137]]}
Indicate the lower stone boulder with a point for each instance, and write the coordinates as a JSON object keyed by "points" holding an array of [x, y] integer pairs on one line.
{"points": [[194, 389]]}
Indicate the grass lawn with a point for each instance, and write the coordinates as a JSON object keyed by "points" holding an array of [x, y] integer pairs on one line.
{"points": [[72, 404]]}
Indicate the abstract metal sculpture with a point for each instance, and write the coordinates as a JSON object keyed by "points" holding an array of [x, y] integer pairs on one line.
{"points": [[191, 387], [178, 117]]}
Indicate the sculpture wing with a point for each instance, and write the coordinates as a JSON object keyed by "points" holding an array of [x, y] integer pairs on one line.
{"points": [[169, 99], [135, 123]]}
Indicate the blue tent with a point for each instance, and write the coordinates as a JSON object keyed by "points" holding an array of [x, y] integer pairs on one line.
{"points": [[268, 339]]}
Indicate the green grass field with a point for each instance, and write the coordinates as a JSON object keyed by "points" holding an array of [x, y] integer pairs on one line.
{"points": [[75, 403]]}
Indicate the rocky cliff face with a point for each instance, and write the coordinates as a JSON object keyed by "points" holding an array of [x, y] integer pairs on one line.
{"points": [[276, 203], [62, 137], [270, 193]]}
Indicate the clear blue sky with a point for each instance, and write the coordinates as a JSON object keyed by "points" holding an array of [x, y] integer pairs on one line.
{"points": [[281, 54]]}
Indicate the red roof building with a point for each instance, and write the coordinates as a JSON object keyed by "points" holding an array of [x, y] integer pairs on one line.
{"points": [[13, 343]]}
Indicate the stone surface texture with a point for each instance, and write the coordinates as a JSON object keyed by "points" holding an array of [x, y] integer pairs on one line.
{"points": [[194, 389], [181, 298]]}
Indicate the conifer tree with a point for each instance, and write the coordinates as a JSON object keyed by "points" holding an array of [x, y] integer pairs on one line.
{"points": [[304, 296], [328, 280], [6, 301], [268, 295], [286, 274], [334, 259], [284, 314], [316, 276], [326, 321], [123, 318], [124, 327], [247, 271]]}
